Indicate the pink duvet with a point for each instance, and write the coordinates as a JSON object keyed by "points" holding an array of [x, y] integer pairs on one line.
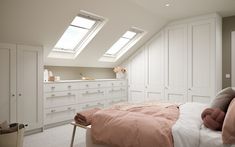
{"points": [[135, 126]]}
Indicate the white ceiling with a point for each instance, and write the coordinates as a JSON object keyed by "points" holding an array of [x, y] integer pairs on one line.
{"points": [[42, 22]]}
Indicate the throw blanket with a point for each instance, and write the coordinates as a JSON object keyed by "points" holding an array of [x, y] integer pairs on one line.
{"points": [[135, 126], [84, 117]]}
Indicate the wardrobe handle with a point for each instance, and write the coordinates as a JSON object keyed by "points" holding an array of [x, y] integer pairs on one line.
{"points": [[13, 95], [20, 94]]}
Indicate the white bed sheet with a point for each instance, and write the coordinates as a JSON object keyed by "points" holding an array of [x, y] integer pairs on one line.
{"points": [[186, 131], [210, 138]]}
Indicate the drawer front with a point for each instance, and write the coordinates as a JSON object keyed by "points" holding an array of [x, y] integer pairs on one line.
{"points": [[117, 83], [91, 95], [116, 101], [117, 92], [88, 85], [60, 99], [90, 105], [59, 114], [60, 87]]}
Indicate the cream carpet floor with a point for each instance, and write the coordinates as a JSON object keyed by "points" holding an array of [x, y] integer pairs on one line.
{"points": [[56, 137]]}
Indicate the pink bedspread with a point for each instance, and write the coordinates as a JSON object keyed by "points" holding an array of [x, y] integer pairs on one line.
{"points": [[135, 126]]}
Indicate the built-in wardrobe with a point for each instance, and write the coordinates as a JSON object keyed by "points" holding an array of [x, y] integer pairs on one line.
{"points": [[183, 62], [21, 92]]}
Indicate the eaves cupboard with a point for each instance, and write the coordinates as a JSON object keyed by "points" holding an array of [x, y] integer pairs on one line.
{"points": [[21, 85], [182, 63]]}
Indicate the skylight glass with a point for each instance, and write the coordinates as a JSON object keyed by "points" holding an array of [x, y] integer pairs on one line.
{"points": [[78, 30], [121, 43]]}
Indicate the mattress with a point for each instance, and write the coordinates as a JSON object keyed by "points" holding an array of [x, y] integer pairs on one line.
{"points": [[188, 131]]}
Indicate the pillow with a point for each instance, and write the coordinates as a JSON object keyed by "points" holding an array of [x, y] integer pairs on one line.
{"points": [[223, 99], [213, 118], [228, 130]]}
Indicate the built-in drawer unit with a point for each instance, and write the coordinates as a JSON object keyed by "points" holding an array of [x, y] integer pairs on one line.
{"points": [[117, 83], [116, 92], [61, 87], [62, 100], [91, 85], [91, 95], [59, 114], [56, 99], [90, 105]]}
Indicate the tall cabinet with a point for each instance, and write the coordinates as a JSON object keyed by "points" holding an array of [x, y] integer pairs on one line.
{"points": [[181, 63], [146, 72], [21, 85]]}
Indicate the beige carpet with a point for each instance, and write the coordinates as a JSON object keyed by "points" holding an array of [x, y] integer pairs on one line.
{"points": [[56, 137]]}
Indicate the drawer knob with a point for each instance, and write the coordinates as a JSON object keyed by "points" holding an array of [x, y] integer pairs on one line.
{"points": [[69, 108], [87, 85], [52, 95], [52, 111], [99, 85], [52, 87], [69, 86], [69, 94]]}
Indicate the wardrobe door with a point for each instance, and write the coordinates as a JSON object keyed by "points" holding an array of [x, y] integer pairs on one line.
{"points": [[155, 69], [7, 82], [176, 63], [201, 67], [137, 78], [29, 86]]}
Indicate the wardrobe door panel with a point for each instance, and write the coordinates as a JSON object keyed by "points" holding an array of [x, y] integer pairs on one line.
{"points": [[201, 61], [155, 69], [176, 63], [137, 78], [7, 82], [29, 86]]}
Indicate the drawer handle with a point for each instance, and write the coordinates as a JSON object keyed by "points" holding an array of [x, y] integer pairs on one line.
{"points": [[69, 86], [91, 106], [98, 85], [87, 85], [52, 111], [112, 84], [69, 108], [52, 87], [69, 94], [52, 95]]}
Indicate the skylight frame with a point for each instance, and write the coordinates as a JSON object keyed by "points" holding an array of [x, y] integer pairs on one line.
{"points": [[129, 44], [92, 29]]}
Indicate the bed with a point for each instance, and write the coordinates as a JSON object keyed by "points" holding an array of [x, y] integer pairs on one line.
{"points": [[188, 131]]}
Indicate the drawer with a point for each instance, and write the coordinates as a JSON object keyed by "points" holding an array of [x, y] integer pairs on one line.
{"points": [[90, 105], [116, 101], [60, 99], [117, 92], [91, 95], [60, 87], [59, 114], [117, 83], [88, 85]]}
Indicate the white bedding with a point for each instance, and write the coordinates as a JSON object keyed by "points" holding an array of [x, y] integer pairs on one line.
{"points": [[188, 131]]}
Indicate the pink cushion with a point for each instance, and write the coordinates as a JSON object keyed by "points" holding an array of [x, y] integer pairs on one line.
{"points": [[228, 130], [213, 118]]}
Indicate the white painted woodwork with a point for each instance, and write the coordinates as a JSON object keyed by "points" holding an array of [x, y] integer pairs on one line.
{"points": [[191, 61], [29, 86], [7, 82], [137, 78], [62, 100], [201, 65], [176, 63], [233, 58], [155, 69]]}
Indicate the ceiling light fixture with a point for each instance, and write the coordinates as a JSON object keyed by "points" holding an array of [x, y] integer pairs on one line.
{"points": [[167, 5]]}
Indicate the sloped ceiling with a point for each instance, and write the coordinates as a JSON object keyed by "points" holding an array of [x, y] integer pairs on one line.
{"points": [[42, 22]]}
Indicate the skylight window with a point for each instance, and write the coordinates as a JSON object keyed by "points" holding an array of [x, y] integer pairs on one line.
{"points": [[122, 42], [79, 33]]}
